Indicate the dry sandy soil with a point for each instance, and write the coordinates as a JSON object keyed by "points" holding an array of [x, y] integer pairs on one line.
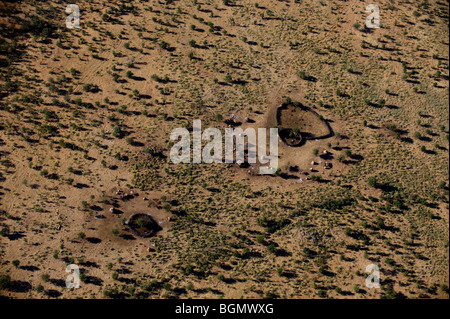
{"points": [[86, 116]]}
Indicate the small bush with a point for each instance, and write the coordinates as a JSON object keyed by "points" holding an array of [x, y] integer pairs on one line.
{"points": [[372, 181], [5, 282]]}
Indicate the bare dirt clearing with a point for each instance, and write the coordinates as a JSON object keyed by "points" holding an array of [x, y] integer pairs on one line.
{"points": [[86, 116]]}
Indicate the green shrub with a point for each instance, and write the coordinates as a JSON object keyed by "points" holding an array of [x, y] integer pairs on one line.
{"points": [[45, 277], [5, 282], [372, 181]]}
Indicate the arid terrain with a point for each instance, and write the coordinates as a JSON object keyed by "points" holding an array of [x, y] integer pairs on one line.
{"points": [[85, 120]]}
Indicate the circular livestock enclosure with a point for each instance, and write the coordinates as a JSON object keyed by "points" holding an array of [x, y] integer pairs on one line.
{"points": [[143, 225], [298, 123], [291, 138]]}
